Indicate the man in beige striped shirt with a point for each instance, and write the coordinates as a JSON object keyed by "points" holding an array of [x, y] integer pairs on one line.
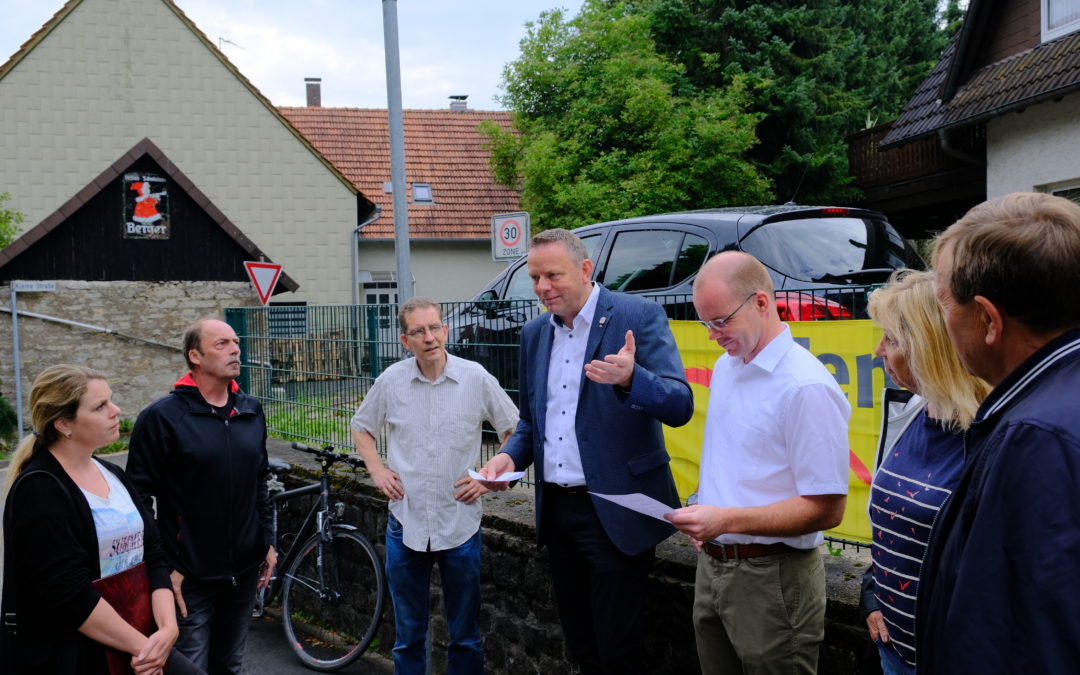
{"points": [[433, 407]]}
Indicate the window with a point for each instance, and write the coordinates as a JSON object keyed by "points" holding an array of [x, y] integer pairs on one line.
{"points": [[648, 260], [1059, 17], [830, 250], [1068, 192], [421, 193], [383, 295], [520, 286]]}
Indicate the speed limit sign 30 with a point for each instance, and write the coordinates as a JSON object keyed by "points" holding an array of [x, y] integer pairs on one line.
{"points": [[509, 235]]}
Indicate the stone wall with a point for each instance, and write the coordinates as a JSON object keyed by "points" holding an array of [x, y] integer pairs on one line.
{"points": [[138, 371], [518, 615]]}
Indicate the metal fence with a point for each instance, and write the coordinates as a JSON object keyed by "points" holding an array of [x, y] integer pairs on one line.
{"points": [[311, 366]]}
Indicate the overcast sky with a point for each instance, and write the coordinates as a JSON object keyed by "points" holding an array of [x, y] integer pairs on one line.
{"points": [[446, 47]]}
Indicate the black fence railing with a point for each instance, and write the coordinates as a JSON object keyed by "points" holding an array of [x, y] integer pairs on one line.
{"points": [[311, 366]]}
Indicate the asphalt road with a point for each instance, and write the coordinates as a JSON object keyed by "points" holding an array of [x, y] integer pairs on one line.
{"points": [[267, 653]]}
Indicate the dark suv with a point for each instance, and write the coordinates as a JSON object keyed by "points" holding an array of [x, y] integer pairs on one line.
{"points": [[817, 256]]}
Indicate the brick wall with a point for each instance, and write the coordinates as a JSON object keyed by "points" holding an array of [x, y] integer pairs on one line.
{"points": [[138, 371], [518, 616]]}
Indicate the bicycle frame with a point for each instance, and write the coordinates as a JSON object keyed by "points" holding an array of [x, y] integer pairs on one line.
{"points": [[319, 519]]}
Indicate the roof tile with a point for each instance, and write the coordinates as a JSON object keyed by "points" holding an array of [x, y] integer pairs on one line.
{"points": [[442, 147], [1048, 70]]}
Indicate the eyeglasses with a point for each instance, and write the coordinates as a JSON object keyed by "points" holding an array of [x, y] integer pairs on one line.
{"points": [[419, 332], [721, 324]]}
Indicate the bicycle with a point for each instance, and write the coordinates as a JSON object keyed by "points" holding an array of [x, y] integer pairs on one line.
{"points": [[333, 588]]}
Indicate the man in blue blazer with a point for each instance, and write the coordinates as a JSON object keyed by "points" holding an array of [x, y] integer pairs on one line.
{"points": [[599, 375]]}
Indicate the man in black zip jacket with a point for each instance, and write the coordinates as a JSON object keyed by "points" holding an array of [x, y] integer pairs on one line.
{"points": [[201, 452]]}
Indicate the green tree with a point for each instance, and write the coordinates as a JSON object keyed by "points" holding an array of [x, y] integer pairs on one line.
{"points": [[607, 128], [818, 69], [9, 222], [952, 17]]}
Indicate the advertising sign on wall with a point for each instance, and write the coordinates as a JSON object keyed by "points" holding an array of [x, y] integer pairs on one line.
{"points": [[146, 206]]}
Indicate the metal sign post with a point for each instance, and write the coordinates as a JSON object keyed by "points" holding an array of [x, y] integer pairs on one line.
{"points": [[25, 287], [15, 357]]}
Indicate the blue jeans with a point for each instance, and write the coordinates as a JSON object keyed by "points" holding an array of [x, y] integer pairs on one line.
{"points": [[890, 663], [219, 615], [409, 573]]}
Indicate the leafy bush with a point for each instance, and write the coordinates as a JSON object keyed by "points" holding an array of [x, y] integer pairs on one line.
{"points": [[9, 422]]}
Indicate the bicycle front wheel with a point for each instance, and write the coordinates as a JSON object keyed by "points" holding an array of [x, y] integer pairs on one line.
{"points": [[331, 614]]}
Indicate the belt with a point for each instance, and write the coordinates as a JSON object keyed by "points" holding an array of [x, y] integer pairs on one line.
{"points": [[566, 489], [737, 551]]}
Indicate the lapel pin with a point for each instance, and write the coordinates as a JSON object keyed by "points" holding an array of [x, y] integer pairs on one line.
{"points": [[602, 320]]}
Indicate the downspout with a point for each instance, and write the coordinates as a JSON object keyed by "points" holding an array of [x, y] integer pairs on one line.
{"points": [[355, 255]]}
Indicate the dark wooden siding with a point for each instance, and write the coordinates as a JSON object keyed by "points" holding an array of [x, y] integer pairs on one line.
{"points": [[1015, 29], [90, 245]]}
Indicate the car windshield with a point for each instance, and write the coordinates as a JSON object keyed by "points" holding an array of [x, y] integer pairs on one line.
{"points": [[831, 250]]}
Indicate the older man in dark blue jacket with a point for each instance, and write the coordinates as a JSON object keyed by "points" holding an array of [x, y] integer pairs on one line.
{"points": [[1000, 581]]}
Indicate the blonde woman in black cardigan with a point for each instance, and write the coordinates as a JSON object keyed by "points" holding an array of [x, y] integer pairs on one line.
{"points": [[70, 519]]}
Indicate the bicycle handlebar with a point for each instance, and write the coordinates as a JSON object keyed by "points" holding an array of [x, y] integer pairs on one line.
{"points": [[328, 453]]}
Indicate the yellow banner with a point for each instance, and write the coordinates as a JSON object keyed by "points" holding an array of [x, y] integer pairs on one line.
{"points": [[847, 350]]}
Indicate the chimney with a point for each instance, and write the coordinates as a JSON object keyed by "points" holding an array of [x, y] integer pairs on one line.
{"points": [[314, 91], [457, 102]]}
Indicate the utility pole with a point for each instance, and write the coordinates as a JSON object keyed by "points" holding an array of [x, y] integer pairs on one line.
{"points": [[397, 151]]}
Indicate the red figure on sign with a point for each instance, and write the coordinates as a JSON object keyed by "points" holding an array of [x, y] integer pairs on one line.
{"points": [[146, 203]]}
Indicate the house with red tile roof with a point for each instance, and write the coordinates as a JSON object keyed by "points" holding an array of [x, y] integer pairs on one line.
{"points": [[999, 113], [149, 170], [102, 76], [452, 195]]}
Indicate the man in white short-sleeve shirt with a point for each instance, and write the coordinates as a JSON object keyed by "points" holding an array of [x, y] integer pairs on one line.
{"points": [[433, 407], [774, 474]]}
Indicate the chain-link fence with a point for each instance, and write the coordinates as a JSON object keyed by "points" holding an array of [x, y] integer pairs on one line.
{"points": [[311, 366]]}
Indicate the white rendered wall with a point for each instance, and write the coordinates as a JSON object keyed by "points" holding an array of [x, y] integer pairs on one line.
{"points": [[1036, 148], [116, 71], [444, 271]]}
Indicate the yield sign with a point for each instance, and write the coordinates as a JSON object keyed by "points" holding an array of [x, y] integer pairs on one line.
{"points": [[264, 277]]}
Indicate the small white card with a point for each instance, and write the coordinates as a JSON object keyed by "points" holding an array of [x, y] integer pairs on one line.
{"points": [[643, 504], [505, 478]]}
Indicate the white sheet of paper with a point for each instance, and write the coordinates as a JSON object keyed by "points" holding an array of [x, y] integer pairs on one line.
{"points": [[505, 478], [640, 503]]}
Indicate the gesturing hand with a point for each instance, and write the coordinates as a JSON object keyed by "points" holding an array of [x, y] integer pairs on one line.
{"points": [[152, 657], [700, 522], [617, 369], [496, 466], [470, 490], [177, 580], [388, 482], [266, 569], [876, 623]]}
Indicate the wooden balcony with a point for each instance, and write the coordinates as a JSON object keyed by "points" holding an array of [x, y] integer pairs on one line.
{"points": [[919, 186]]}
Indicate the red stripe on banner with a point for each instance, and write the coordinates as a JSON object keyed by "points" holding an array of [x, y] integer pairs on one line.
{"points": [[858, 467], [700, 376]]}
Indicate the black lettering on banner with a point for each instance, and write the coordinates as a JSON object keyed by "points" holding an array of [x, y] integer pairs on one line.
{"points": [[864, 373]]}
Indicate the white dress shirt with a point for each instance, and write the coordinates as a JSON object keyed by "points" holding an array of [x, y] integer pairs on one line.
{"points": [[562, 459], [776, 429], [434, 431]]}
